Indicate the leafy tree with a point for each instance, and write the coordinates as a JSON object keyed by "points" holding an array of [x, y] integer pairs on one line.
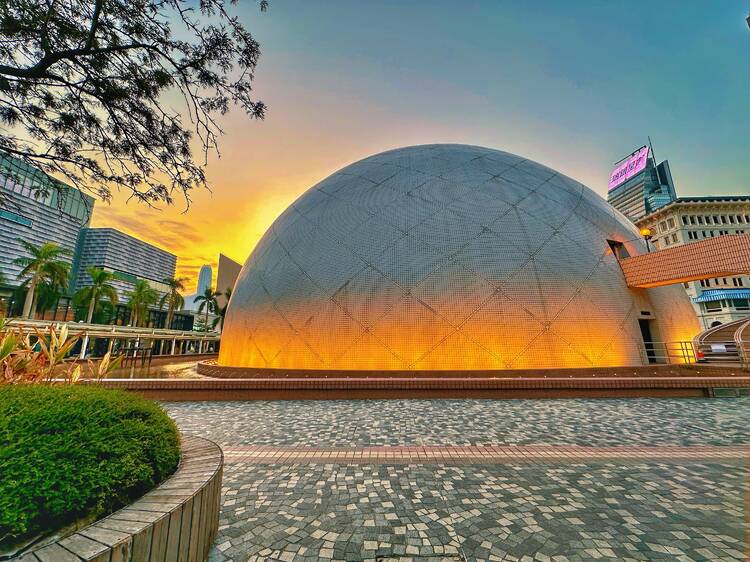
{"points": [[173, 299], [99, 288], [42, 265], [140, 298], [91, 89], [222, 310], [208, 303]]}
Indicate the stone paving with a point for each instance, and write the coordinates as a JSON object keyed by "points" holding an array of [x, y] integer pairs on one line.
{"points": [[528, 480]]}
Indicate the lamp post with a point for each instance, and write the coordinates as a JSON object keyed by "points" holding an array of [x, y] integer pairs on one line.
{"points": [[647, 234]]}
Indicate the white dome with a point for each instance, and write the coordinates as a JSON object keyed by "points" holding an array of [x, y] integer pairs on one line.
{"points": [[445, 257]]}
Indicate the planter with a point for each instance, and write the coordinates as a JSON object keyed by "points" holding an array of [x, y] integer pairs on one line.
{"points": [[177, 520]]}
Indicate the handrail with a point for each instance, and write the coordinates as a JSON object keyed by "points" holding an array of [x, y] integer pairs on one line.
{"points": [[110, 330], [671, 353]]}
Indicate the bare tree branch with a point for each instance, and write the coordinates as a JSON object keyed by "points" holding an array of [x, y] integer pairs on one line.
{"points": [[83, 85]]}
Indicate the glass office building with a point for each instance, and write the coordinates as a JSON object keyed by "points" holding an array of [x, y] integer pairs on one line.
{"points": [[128, 258], [36, 208], [645, 192]]}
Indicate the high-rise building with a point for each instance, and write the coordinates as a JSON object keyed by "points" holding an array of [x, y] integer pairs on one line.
{"points": [[227, 274], [638, 186], [205, 278], [687, 219], [127, 257], [36, 208]]}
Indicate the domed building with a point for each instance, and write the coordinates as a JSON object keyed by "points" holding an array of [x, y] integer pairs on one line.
{"points": [[446, 257]]}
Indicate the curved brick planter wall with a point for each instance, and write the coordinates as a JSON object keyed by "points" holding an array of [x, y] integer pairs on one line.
{"points": [[176, 521]]}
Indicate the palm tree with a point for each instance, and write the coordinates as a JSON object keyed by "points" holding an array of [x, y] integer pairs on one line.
{"points": [[99, 288], [173, 299], [140, 298], [208, 302], [222, 310], [43, 265]]}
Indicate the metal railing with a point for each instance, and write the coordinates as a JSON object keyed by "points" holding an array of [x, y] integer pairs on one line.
{"points": [[111, 330], [98, 339], [668, 353]]}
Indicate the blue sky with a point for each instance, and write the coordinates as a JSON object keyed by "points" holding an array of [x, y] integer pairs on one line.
{"points": [[574, 85]]}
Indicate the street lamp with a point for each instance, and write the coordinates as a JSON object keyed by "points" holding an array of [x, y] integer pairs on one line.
{"points": [[647, 234]]}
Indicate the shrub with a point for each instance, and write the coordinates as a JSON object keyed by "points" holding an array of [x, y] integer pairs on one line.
{"points": [[68, 452]]}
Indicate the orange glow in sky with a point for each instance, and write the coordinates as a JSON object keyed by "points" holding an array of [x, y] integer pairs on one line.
{"points": [[344, 80]]}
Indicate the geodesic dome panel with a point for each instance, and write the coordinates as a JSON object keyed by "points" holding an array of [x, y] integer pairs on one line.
{"points": [[444, 257]]}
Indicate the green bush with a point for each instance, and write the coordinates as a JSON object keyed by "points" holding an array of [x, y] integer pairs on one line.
{"points": [[72, 451]]}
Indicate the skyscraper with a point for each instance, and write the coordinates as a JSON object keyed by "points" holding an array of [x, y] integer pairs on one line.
{"points": [[638, 186], [36, 208], [205, 277]]}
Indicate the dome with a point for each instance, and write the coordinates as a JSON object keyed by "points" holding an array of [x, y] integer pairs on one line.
{"points": [[446, 257]]}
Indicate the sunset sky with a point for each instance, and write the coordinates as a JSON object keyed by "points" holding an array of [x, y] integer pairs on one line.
{"points": [[573, 85]]}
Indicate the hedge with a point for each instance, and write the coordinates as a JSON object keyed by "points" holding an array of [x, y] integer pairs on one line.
{"points": [[68, 452]]}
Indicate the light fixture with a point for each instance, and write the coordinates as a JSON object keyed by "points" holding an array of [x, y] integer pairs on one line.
{"points": [[647, 234]]}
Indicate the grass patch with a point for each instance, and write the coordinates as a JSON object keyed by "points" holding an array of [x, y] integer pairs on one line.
{"points": [[72, 451]]}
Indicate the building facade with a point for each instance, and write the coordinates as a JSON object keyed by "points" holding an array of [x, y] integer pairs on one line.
{"points": [[36, 208], [128, 258], [226, 276], [688, 219], [642, 193]]}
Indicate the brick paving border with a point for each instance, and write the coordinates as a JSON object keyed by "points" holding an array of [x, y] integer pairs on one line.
{"points": [[476, 454]]}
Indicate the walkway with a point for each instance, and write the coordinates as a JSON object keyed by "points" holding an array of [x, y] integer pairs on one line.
{"points": [[446, 480]]}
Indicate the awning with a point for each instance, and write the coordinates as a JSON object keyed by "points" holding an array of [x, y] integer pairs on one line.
{"points": [[713, 295]]}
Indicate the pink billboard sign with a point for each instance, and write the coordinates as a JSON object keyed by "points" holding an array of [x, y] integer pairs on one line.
{"points": [[628, 167]]}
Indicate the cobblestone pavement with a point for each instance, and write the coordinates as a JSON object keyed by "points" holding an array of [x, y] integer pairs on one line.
{"points": [[496, 480]]}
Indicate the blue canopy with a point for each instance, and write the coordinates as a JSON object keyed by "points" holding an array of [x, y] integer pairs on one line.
{"points": [[720, 294]]}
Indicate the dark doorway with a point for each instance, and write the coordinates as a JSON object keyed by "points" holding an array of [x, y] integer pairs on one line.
{"points": [[648, 341]]}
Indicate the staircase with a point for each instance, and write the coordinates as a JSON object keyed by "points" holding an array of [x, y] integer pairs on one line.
{"points": [[728, 344]]}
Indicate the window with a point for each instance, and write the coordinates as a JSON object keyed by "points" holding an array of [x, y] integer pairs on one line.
{"points": [[731, 219], [692, 235], [723, 219], [712, 306], [674, 238], [716, 219], [738, 282], [741, 304], [670, 223], [16, 218], [662, 226], [684, 220], [692, 219], [700, 219]]}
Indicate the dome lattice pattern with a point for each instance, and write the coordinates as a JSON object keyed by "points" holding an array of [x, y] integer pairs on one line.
{"points": [[443, 257]]}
